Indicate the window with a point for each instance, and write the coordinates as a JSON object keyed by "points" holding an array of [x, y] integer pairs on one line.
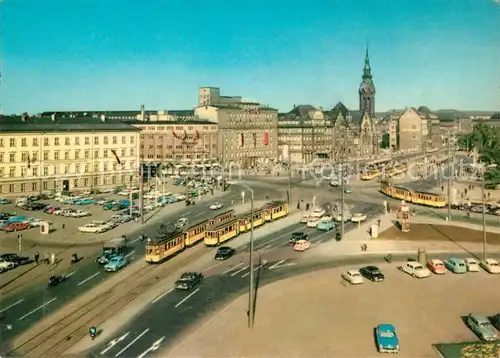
{"points": [[1, 142], [12, 142], [66, 169], [87, 140], [86, 168], [11, 188], [45, 185], [34, 171], [115, 140], [34, 156], [66, 141], [45, 171], [77, 168], [56, 141], [35, 142], [105, 140], [87, 154], [96, 168], [34, 186], [124, 152], [24, 157], [132, 140], [131, 152], [96, 153], [46, 155], [66, 154], [414, 135], [105, 167], [56, 155], [12, 157], [1, 157], [77, 140], [77, 154], [23, 171], [105, 152], [124, 140], [45, 142], [96, 140], [23, 142], [56, 169]]}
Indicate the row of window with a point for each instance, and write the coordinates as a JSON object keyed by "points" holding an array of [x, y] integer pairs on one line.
{"points": [[178, 156], [179, 128], [47, 141], [186, 146], [34, 171], [13, 157]]}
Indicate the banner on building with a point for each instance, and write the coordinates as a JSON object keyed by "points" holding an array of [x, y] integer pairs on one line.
{"points": [[266, 138], [242, 140]]}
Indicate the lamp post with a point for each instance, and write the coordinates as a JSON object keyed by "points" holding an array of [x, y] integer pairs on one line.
{"points": [[483, 175], [451, 165], [251, 277]]}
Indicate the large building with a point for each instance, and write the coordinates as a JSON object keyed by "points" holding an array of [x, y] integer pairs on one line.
{"points": [[68, 153], [247, 131]]}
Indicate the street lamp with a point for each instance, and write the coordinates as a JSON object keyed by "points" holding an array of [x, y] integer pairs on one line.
{"points": [[484, 169], [251, 278]]}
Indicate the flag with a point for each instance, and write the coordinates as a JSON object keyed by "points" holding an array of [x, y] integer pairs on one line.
{"points": [[196, 135], [28, 162], [116, 156]]}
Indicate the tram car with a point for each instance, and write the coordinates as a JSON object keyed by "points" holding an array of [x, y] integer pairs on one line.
{"points": [[213, 232], [433, 200]]}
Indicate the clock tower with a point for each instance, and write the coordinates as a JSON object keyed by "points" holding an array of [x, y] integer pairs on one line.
{"points": [[367, 89]]}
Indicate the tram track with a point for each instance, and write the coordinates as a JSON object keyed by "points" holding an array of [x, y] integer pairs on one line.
{"points": [[57, 337]]}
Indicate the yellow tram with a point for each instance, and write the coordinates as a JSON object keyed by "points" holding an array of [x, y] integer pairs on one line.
{"points": [[195, 232], [245, 220], [222, 232], [371, 175], [162, 247], [411, 196]]}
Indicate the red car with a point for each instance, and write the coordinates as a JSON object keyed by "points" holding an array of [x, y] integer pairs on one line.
{"points": [[16, 227], [436, 266]]}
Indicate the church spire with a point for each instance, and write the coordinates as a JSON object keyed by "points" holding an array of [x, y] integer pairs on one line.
{"points": [[367, 71]]}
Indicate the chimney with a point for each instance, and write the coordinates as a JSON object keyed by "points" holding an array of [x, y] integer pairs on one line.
{"points": [[53, 117], [103, 118], [143, 114]]}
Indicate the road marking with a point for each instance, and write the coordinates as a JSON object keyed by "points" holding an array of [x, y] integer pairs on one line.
{"points": [[232, 268], [114, 342], [154, 347], [186, 214], [276, 264], [135, 340], [70, 274], [38, 308], [212, 267], [161, 296], [199, 214], [88, 278], [130, 254], [135, 240], [255, 269], [240, 270], [186, 298], [12, 305], [265, 247]]}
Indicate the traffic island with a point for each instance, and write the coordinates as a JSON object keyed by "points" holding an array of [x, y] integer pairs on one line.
{"points": [[468, 349]]}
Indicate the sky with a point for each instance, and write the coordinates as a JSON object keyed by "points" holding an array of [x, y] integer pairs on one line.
{"points": [[119, 54]]}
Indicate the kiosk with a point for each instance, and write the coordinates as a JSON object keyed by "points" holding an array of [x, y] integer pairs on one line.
{"points": [[404, 215]]}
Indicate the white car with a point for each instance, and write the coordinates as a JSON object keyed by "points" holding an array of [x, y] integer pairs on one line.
{"points": [[150, 207], [472, 265], [313, 222], [347, 217], [6, 265], [490, 266], [415, 269], [102, 201], [358, 217], [318, 212], [180, 197], [67, 212], [93, 228], [353, 277], [215, 206], [326, 218], [79, 214]]}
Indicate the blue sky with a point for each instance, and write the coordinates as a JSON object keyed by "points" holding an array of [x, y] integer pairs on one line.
{"points": [[118, 54]]}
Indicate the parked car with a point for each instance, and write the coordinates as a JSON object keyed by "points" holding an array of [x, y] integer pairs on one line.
{"points": [[358, 217], [455, 265], [415, 269], [79, 214], [318, 212], [6, 265], [296, 236], [16, 259], [115, 263], [325, 225], [490, 266], [436, 266], [120, 218], [224, 253], [85, 201], [215, 206], [313, 222], [353, 277], [472, 265], [188, 280], [372, 273], [93, 228], [17, 226], [387, 340], [4, 201], [482, 327], [346, 217], [348, 190], [301, 245], [304, 219]]}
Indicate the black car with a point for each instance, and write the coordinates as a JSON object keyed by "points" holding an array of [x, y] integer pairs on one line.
{"points": [[16, 259], [35, 206], [224, 252], [296, 236], [372, 273], [188, 280]]}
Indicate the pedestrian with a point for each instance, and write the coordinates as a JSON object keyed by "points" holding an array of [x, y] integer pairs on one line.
{"points": [[37, 257], [63, 226], [52, 259]]}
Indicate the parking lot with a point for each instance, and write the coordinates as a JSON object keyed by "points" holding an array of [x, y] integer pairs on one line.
{"points": [[319, 315]]}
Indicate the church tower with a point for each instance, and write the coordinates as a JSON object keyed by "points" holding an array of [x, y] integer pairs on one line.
{"points": [[367, 89]]}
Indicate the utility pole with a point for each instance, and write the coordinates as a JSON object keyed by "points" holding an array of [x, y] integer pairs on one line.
{"points": [[289, 177], [342, 180], [141, 192], [483, 175], [451, 165]]}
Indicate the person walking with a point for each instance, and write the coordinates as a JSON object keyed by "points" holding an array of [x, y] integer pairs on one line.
{"points": [[37, 257]]}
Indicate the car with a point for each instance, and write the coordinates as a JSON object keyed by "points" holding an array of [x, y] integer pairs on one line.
{"points": [[482, 327], [215, 206], [16, 226], [313, 222], [348, 190], [455, 265], [6, 265], [92, 228], [120, 218], [301, 245], [85, 201], [353, 277], [490, 266], [296, 236], [318, 212], [334, 183], [188, 280], [16, 259], [415, 269], [347, 217], [325, 225], [436, 266], [4, 201], [224, 253], [79, 214], [386, 338], [472, 265], [372, 273], [115, 263], [304, 219], [358, 217], [495, 321], [31, 206]]}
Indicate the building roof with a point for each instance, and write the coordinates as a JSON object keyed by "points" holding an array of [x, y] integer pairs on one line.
{"points": [[237, 107], [132, 113], [63, 124], [302, 110], [136, 122]]}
